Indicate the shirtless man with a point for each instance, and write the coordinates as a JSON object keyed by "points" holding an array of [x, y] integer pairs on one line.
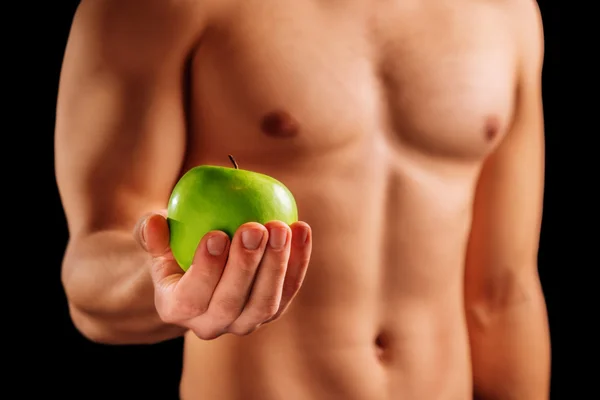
{"points": [[411, 134]]}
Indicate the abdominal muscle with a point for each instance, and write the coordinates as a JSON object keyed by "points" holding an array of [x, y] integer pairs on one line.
{"points": [[380, 314], [333, 355]]}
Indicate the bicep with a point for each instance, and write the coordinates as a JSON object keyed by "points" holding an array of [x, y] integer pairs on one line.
{"points": [[120, 130], [508, 208], [509, 195], [508, 202]]}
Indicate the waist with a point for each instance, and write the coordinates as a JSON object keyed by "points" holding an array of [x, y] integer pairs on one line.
{"points": [[350, 353]]}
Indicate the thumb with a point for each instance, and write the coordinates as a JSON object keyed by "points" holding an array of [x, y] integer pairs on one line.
{"points": [[152, 233]]}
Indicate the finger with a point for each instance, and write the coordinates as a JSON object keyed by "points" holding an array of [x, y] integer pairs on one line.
{"points": [[231, 293], [265, 294], [154, 237], [165, 273], [301, 249], [152, 233], [194, 290]]}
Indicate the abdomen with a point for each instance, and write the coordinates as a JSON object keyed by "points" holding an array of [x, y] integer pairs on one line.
{"points": [[380, 313]]}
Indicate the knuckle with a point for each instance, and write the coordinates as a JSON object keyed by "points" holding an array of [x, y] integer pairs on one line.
{"points": [[279, 268], [158, 266], [304, 259], [208, 333], [168, 315], [188, 309], [247, 266], [267, 308], [243, 330], [180, 310], [291, 286], [227, 309]]}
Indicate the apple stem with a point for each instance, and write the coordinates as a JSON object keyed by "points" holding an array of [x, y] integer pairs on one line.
{"points": [[235, 164]]}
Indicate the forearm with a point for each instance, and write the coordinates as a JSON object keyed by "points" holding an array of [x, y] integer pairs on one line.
{"points": [[111, 297], [510, 344]]}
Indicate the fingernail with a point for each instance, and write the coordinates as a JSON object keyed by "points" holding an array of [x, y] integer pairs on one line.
{"points": [[301, 236], [251, 238], [277, 238], [143, 232], [216, 245]]}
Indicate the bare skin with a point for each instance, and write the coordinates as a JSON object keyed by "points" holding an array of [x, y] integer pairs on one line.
{"points": [[411, 134]]}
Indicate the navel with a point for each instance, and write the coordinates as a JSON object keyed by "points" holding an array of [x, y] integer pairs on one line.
{"points": [[279, 124], [492, 128], [382, 347]]}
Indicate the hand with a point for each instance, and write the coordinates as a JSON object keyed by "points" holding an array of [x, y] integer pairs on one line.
{"points": [[232, 286]]}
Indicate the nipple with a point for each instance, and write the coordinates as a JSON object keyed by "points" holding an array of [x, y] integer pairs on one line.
{"points": [[492, 127], [279, 124]]}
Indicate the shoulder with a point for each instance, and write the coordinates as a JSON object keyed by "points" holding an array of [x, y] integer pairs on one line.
{"points": [[527, 25], [142, 12], [126, 29]]}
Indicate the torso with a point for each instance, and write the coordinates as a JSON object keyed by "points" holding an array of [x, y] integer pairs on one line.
{"points": [[377, 115]]}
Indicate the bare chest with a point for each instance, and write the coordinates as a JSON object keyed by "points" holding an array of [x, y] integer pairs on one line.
{"points": [[435, 76]]}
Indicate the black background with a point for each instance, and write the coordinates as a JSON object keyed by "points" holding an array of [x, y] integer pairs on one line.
{"points": [[62, 361]]}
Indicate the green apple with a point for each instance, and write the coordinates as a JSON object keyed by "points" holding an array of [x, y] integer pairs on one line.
{"points": [[208, 198]]}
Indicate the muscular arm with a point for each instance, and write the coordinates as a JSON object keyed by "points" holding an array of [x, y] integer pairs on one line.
{"points": [[505, 304], [120, 144]]}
